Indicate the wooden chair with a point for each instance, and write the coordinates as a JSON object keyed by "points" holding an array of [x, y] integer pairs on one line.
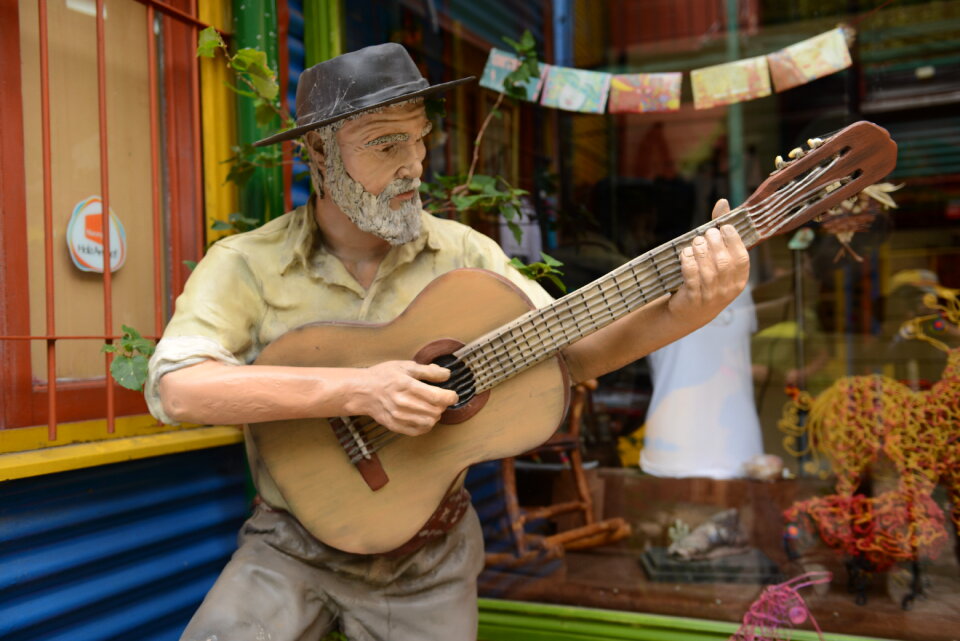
{"points": [[529, 546]]}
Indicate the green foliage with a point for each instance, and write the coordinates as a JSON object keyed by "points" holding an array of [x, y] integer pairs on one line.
{"points": [[515, 81], [246, 159], [236, 223], [258, 82], [129, 367], [492, 196], [544, 269], [208, 43]]}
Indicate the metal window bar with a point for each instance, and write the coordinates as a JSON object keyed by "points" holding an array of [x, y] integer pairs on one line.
{"points": [[51, 338]]}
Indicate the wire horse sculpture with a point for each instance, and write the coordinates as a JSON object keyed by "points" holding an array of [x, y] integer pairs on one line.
{"points": [[780, 606]]}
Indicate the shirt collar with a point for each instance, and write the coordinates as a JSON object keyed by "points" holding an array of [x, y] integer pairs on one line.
{"points": [[303, 244]]}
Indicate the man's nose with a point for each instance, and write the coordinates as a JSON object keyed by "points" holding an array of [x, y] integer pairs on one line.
{"points": [[412, 166]]}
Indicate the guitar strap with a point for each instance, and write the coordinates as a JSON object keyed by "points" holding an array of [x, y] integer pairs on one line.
{"points": [[451, 509], [444, 518]]}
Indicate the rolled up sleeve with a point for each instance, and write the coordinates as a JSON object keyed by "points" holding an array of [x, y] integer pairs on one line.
{"points": [[216, 318]]}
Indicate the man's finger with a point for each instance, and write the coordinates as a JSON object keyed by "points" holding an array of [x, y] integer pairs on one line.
{"points": [[718, 247], [720, 208], [691, 274], [735, 247], [432, 373], [705, 265]]}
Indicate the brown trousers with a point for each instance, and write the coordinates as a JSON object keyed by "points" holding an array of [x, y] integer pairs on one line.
{"points": [[284, 585]]}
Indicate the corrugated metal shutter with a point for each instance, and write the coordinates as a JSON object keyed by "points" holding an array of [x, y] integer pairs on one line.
{"points": [[126, 550], [494, 19], [926, 147]]}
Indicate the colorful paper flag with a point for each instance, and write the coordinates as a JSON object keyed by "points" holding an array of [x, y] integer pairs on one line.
{"points": [[576, 90], [730, 82], [500, 64], [645, 92], [809, 59]]}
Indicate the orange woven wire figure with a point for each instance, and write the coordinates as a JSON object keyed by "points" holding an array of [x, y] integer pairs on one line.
{"points": [[861, 417]]}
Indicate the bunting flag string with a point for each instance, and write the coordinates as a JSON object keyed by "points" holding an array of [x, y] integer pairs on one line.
{"points": [[576, 90], [500, 63], [598, 92]]}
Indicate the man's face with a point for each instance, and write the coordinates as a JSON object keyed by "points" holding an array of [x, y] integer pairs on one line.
{"points": [[372, 167], [380, 148]]}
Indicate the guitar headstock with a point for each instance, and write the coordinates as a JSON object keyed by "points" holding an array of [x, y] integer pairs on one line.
{"points": [[818, 179]]}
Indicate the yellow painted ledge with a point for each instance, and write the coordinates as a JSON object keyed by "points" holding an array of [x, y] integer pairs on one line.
{"points": [[49, 460]]}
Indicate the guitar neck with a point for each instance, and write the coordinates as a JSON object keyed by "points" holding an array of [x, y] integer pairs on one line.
{"points": [[542, 333]]}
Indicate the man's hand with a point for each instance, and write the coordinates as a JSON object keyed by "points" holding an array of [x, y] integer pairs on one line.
{"points": [[394, 394], [715, 269]]}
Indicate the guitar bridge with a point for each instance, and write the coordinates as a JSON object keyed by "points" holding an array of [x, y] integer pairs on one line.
{"points": [[366, 461]]}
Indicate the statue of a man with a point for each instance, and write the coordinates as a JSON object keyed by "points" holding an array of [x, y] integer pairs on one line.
{"points": [[361, 250]]}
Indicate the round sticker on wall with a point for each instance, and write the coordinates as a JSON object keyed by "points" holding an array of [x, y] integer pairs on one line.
{"points": [[85, 237]]}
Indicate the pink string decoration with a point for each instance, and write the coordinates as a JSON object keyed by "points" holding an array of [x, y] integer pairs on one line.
{"points": [[779, 606]]}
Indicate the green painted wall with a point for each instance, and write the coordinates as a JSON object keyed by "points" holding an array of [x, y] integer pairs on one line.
{"points": [[323, 22], [255, 25]]}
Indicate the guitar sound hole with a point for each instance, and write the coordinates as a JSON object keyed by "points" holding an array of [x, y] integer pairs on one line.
{"points": [[461, 379]]}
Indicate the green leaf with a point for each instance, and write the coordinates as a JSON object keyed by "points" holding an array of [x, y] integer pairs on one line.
{"points": [[219, 225], [208, 42], [465, 202], [264, 112], [248, 57], [482, 182], [550, 260], [516, 46], [515, 229], [130, 372], [108, 349], [556, 281], [143, 345], [527, 41], [191, 264], [237, 218], [242, 92], [253, 62], [129, 331]]}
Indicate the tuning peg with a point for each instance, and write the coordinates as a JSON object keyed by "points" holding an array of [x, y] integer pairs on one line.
{"points": [[813, 143], [795, 153], [779, 162]]}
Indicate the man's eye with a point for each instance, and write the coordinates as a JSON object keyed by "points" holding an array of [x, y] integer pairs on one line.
{"points": [[386, 149]]}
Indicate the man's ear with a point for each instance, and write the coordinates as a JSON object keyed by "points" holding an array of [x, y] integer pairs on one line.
{"points": [[314, 145]]}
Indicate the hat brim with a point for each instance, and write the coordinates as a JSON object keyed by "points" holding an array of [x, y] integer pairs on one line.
{"points": [[298, 131]]}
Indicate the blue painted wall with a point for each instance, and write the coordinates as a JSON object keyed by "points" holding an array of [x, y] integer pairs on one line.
{"points": [[126, 550]]}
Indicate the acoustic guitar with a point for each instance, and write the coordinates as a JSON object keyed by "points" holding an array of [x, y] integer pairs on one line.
{"points": [[361, 488]]}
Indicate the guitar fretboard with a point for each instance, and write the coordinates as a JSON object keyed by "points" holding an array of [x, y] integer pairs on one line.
{"points": [[542, 333]]}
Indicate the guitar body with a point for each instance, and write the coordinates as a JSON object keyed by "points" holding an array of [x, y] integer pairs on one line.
{"points": [[325, 491]]}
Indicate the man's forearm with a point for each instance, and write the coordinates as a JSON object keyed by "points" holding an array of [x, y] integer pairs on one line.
{"points": [[212, 392], [628, 339], [395, 393]]}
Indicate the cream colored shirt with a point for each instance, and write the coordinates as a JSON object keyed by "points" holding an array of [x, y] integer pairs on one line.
{"points": [[252, 288]]}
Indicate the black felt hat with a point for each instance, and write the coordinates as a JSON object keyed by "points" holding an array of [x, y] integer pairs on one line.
{"points": [[356, 82]]}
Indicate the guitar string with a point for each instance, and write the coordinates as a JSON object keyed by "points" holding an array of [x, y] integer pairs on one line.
{"points": [[773, 216]]}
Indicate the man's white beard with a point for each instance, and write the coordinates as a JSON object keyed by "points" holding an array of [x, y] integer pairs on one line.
{"points": [[368, 212]]}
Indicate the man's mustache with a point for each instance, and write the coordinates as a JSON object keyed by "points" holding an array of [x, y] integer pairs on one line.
{"points": [[399, 186]]}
